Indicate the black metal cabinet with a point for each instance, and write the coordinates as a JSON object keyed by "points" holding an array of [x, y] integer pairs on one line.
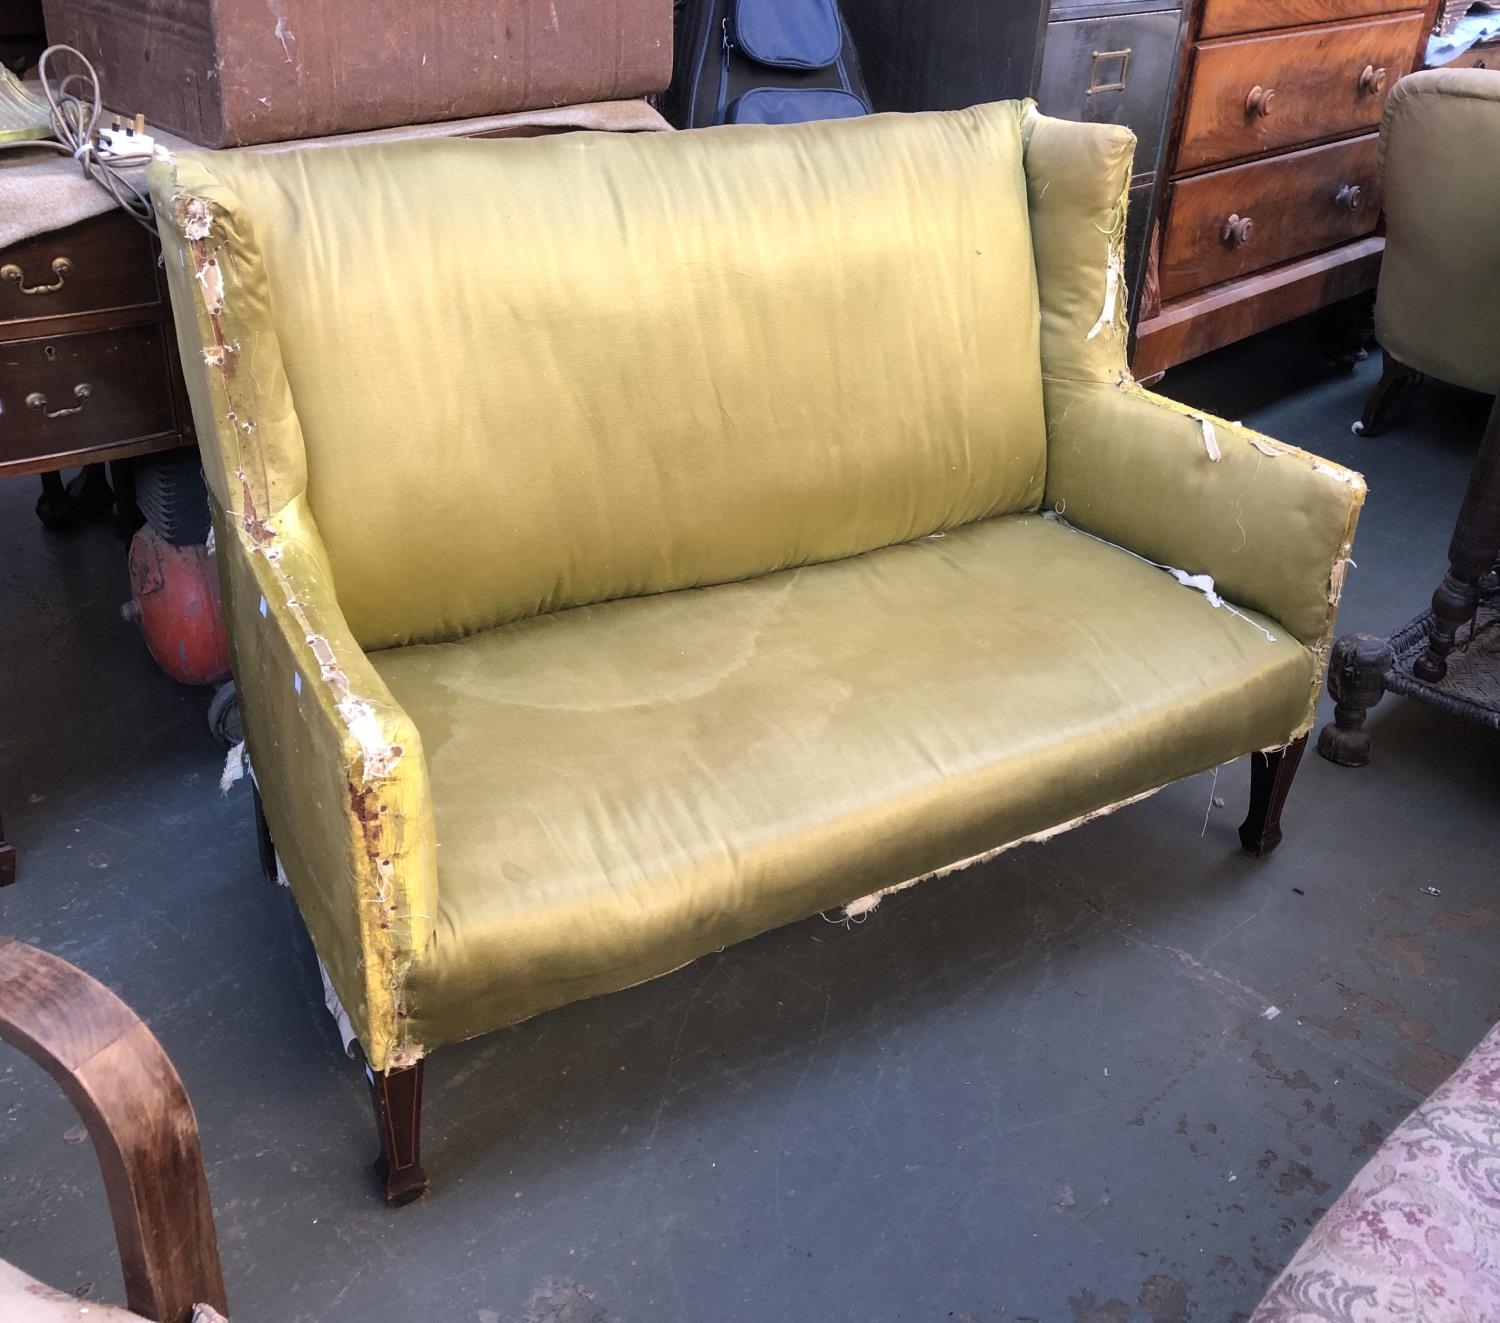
{"points": [[936, 55], [1113, 63]]}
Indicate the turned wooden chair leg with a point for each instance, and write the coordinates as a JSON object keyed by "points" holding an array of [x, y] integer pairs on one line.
{"points": [[1471, 556], [7, 859], [1270, 779], [1395, 376], [1356, 681], [263, 841], [137, 1114], [397, 1095]]}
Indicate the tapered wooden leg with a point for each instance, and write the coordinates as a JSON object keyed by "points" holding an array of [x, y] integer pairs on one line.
{"points": [[1270, 779], [397, 1095], [1395, 376], [1356, 680], [53, 507], [263, 841]]}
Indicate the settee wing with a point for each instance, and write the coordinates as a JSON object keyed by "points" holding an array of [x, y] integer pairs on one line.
{"points": [[341, 772], [1271, 524]]}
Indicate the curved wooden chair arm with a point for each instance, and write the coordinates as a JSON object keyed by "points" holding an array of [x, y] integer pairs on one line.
{"points": [[137, 1114]]}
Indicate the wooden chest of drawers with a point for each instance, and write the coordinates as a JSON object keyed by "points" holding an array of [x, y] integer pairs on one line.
{"points": [[88, 359], [1272, 206]]}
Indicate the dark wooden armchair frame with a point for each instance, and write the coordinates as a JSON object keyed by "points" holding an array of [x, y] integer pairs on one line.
{"points": [[138, 1117]]}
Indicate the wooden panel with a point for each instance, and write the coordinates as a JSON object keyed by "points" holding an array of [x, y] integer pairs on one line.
{"points": [[102, 388], [1222, 18], [102, 263], [1231, 222], [1115, 70], [1307, 85], [1195, 325], [916, 55]]}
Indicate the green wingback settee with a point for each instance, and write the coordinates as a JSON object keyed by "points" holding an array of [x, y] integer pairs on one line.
{"points": [[631, 544]]}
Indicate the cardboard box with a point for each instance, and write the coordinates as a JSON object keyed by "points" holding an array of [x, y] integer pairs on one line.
{"points": [[229, 73]]}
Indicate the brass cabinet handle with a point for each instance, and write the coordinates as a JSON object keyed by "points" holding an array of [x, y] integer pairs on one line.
{"points": [[60, 268], [81, 392], [1237, 231], [1372, 80], [1350, 196], [1258, 102]]}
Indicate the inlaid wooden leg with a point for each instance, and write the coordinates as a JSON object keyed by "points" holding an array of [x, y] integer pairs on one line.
{"points": [[1395, 376], [397, 1095], [1356, 680], [263, 841], [1270, 779]]}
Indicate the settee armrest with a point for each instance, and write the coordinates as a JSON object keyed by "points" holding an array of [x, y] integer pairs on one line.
{"points": [[1272, 524], [340, 769]]}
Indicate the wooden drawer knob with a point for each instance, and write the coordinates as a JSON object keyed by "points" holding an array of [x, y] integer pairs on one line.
{"points": [[81, 392], [1372, 80], [1238, 230], [1349, 197], [1258, 103], [60, 268]]}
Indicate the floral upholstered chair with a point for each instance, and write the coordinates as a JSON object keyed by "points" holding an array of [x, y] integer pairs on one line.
{"points": [[1416, 1236]]}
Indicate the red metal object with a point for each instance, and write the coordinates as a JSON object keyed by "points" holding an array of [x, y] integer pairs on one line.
{"points": [[175, 599]]}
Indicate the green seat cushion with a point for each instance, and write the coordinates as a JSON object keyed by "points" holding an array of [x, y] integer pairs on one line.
{"points": [[623, 787]]}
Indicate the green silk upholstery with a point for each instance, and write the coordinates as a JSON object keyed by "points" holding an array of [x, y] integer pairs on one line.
{"points": [[632, 543], [633, 361], [1438, 306]]}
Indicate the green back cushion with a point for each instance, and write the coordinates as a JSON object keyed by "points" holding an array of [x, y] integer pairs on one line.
{"points": [[538, 373]]}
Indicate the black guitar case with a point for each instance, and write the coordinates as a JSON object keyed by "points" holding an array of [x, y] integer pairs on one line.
{"points": [[764, 62]]}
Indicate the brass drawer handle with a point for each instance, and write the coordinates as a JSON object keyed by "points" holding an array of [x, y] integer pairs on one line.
{"points": [[81, 392], [1108, 71], [60, 268], [1238, 230], [1258, 103], [1372, 80], [1350, 196]]}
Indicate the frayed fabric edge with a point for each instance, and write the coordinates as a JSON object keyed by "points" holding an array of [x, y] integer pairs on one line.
{"points": [[856, 909]]}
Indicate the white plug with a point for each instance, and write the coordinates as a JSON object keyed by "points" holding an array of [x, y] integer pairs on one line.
{"points": [[126, 141]]}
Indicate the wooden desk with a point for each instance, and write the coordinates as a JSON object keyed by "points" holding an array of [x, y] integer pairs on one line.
{"points": [[88, 357]]}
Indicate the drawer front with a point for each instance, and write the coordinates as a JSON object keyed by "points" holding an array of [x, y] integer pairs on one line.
{"points": [[68, 392], [1235, 221], [1115, 70], [105, 262], [1224, 18], [1477, 57], [1256, 94]]}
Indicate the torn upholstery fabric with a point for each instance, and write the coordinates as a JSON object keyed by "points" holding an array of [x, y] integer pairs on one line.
{"points": [[631, 543]]}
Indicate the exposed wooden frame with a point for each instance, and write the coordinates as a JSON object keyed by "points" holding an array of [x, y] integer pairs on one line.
{"points": [[131, 1101]]}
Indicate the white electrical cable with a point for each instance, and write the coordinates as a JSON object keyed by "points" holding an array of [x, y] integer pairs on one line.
{"points": [[75, 116]]}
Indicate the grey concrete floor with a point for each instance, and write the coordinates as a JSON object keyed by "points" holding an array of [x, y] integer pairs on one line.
{"points": [[1044, 1089]]}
